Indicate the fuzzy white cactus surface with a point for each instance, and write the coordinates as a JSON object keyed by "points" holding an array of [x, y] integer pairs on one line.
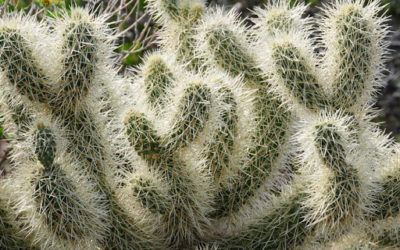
{"points": [[227, 137]]}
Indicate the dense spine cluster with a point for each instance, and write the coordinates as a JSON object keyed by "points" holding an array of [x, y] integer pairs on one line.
{"points": [[227, 137], [59, 85]]}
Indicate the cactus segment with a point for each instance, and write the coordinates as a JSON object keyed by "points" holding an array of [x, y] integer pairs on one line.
{"points": [[182, 16], [158, 79], [190, 14], [282, 226], [222, 39], [45, 145], [296, 75], [344, 183], [353, 59], [23, 73], [151, 196], [387, 199], [354, 43], [191, 118], [9, 238], [57, 201], [231, 55], [221, 146], [182, 215], [169, 7], [143, 138], [279, 17], [21, 116], [79, 59], [263, 154]]}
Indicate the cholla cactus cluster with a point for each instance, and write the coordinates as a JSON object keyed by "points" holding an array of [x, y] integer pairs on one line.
{"points": [[227, 137]]}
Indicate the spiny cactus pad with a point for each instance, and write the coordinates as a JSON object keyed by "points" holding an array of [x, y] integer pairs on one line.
{"points": [[227, 137]]}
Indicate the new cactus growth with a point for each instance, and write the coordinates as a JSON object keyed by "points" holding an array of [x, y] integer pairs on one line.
{"points": [[227, 137]]}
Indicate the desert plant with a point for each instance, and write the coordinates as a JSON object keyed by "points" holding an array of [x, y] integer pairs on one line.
{"points": [[80, 51], [229, 137]]}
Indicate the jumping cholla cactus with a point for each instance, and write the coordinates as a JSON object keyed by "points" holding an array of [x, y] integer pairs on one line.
{"points": [[227, 137]]}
